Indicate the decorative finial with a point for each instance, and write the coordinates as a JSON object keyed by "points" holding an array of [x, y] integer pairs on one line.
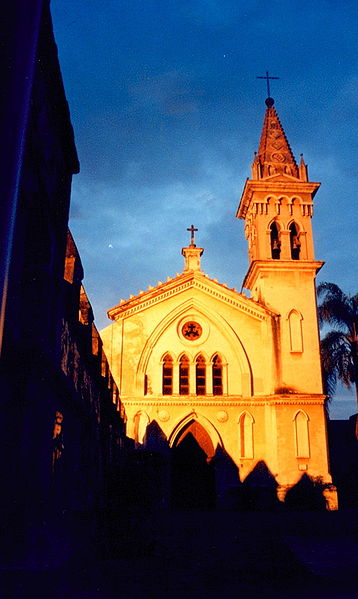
{"points": [[269, 101], [192, 240], [192, 253]]}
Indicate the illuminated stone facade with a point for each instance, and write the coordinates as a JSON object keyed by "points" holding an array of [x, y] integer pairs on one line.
{"points": [[240, 376]]}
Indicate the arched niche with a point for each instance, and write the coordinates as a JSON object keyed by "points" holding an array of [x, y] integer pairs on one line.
{"points": [[246, 435], [141, 421], [301, 434], [295, 319]]}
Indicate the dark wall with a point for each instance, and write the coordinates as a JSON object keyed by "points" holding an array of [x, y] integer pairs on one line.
{"points": [[343, 449], [61, 417]]}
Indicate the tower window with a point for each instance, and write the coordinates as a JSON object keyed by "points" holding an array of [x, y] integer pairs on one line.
{"points": [[294, 242], [200, 372], [217, 376], [184, 376], [275, 242], [167, 375]]}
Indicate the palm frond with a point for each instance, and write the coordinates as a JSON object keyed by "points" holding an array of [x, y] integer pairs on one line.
{"points": [[336, 308], [337, 360]]}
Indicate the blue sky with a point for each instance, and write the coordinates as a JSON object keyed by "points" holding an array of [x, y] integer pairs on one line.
{"points": [[167, 113]]}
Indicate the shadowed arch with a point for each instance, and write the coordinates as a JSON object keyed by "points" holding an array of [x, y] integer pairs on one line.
{"points": [[184, 425], [193, 473]]}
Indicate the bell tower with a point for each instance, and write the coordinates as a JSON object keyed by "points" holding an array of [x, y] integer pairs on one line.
{"points": [[277, 206]]}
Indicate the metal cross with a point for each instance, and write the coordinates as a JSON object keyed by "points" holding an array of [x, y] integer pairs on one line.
{"points": [[268, 82], [192, 229]]}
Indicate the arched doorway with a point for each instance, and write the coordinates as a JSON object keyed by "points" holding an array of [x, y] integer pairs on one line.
{"points": [[193, 476]]}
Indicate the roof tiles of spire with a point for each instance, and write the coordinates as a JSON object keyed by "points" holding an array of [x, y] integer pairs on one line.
{"points": [[274, 155]]}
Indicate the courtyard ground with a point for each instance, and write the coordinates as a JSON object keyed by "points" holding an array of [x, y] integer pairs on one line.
{"points": [[207, 555]]}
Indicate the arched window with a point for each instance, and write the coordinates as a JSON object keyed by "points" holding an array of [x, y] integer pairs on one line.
{"points": [[167, 375], [141, 421], [275, 242], [294, 242], [184, 376], [217, 376], [301, 435], [246, 440], [295, 326], [145, 384], [200, 375]]}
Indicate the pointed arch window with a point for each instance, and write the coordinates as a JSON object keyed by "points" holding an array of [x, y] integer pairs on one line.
{"points": [[200, 375], [141, 421], [246, 439], [301, 435], [184, 375], [217, 376], [275, 241], [167, 375], [294, 242], [295, 325]]}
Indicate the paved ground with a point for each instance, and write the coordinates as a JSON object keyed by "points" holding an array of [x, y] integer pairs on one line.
{"points": [[210, 555]]}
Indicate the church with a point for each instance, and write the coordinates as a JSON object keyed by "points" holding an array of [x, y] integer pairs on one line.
{"points": [[232, 384]]}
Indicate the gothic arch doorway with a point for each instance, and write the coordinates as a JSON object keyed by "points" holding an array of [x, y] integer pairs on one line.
{"points": [[193, 475]]}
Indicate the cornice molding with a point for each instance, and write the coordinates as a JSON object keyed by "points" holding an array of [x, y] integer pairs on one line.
{"points": [[181, 284], [291, 399], [269, 266], [285, 185]]}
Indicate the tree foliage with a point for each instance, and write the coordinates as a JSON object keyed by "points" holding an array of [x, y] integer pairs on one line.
{"points": [[339, 347]]}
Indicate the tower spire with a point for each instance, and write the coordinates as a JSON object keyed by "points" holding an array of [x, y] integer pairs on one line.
{"points": [[274, 154]]}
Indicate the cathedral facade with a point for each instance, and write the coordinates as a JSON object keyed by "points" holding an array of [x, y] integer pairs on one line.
{"points": [[228, 378]]}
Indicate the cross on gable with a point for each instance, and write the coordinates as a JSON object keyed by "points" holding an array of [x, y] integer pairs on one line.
{"points": [[192, 230]]}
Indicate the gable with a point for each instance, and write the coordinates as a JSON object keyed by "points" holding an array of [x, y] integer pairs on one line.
{"points": [[188, 285]]}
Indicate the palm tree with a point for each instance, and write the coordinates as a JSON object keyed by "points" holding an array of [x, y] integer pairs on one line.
{"points": [[339, 347]]}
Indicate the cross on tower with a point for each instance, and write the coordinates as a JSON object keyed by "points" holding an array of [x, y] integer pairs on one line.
{"points": [[192, 240], [268, 82]]}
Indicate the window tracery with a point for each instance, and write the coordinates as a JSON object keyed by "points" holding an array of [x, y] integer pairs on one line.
{"points": [[184, 375], [200, 375], [192, 375], [167, 386], [217, 370]]}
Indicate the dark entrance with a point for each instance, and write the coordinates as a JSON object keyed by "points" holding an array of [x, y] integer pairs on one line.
{"points": [[193, 477]]}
